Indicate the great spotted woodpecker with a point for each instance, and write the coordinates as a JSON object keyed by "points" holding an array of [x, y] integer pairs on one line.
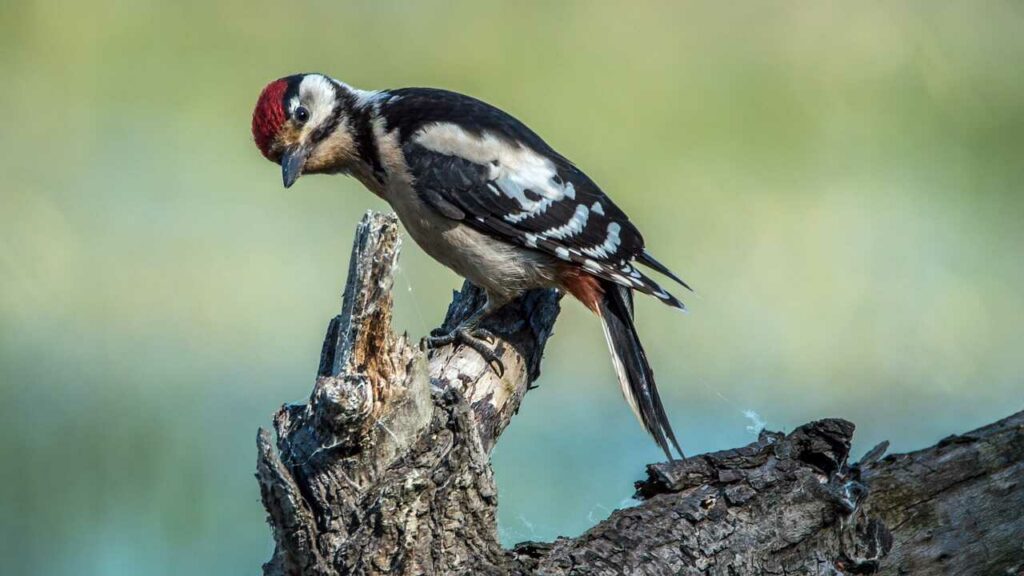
{"points": [[482, 194]]}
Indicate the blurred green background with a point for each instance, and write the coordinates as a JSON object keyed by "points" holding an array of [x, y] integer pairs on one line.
{"points": [[842, 183]]}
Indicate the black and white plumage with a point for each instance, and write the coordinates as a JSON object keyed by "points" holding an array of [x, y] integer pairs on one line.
{"points": [[493, 173], [484, 195]]}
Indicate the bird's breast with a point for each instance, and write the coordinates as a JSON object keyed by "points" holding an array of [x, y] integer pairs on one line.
{"points": [[495, 265]]}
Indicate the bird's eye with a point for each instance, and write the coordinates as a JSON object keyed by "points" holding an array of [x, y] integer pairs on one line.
{"points": [[302, 114]]}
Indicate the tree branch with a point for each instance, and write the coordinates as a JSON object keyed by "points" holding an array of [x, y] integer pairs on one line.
{"points": [[386, 471]]}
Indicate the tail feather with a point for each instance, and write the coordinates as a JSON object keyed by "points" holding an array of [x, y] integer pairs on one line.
{"points": [[646, 259], [631, 366]]}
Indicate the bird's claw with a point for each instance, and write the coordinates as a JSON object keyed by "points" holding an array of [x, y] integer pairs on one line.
{"points": [[478, 339], [484, 335]]}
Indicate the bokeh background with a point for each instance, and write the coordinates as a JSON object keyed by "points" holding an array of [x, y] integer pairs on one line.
{"points": [[841, 182]]}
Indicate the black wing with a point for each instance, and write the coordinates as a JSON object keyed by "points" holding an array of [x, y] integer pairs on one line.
{"points": [[476, 164]]}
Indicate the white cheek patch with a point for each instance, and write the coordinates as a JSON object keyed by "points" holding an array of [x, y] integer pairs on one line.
{"points": [[317, 93]]}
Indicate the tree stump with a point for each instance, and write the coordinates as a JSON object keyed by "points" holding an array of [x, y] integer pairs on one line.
{"points": [[386, 470]]}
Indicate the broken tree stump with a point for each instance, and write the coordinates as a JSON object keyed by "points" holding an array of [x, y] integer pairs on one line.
{"points": [[386, 470]]}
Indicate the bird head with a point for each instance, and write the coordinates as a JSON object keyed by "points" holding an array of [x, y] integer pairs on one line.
{"points": [[303, 122]]}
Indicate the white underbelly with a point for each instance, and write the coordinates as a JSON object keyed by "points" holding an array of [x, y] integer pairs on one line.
{"points": [[501, 268]]}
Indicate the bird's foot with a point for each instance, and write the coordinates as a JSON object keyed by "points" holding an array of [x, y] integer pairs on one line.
{"points": [[478, 339]]}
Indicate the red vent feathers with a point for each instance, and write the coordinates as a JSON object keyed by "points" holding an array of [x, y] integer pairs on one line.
{"points": [[269, 116]]}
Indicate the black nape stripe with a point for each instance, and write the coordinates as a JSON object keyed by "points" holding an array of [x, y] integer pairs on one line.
{"points": [[362, 128], [366, 144], [292, 91]]}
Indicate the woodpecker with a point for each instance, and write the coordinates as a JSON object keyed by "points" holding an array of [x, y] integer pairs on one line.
{"points": [[484, 195]]}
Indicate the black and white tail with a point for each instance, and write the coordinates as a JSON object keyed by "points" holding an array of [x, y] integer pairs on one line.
{"points": [[631, 366]]}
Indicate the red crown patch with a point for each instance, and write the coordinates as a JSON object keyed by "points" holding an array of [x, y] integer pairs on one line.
{"points": [[269, 115]]}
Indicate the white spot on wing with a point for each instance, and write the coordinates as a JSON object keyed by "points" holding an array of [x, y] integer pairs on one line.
{"points": [[573, 227], [538, 209], [597, 208], [562, 253], [569, 190], [613, 234], [610, 244]]}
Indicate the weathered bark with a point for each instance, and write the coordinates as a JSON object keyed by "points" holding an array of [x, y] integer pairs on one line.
{"points": [[386, 471], [791, 504]]}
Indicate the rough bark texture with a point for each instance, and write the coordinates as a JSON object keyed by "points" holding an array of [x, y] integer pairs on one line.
{"points": [[791, 504], [386, 471]]}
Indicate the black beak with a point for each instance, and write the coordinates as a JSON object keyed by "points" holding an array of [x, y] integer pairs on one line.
{"points": [[291, 165]]}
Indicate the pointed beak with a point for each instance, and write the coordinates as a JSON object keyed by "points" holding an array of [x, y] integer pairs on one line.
{"points": [[291, 165]]}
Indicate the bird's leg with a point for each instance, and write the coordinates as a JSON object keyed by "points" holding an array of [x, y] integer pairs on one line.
{"points": [[468, 333]]}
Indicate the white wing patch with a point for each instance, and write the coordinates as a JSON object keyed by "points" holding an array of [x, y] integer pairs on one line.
{"points": [[514, 169], [531, 182]]}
